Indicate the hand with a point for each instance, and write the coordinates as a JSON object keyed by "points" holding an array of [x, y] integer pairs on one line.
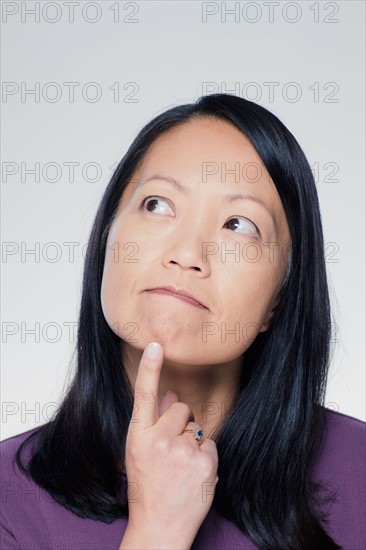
{"points": [[171, 477]]}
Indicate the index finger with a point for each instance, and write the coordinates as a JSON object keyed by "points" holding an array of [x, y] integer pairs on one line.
{"points": [[146, 388]]}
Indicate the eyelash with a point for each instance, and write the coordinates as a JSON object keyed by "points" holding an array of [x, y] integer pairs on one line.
{"points": [[142, 204]]}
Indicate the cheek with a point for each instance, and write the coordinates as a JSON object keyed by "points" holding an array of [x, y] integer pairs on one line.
{"points": [[118, 276], [247, 309], [247, 290], [122, 257]]}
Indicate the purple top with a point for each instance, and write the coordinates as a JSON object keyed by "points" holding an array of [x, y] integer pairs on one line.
{"points": [[31, 519]]}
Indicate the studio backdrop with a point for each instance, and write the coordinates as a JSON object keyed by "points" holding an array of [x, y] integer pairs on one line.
{"points": [[80, 79]]}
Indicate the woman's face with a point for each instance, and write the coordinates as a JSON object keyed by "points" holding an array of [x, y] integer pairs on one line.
{"points": [[194, 237]]}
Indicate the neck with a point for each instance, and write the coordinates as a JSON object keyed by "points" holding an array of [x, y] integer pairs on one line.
{"points": [[209, 390]]}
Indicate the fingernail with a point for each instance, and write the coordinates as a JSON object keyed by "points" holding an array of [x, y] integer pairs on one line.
{"points": [[153, 350]]}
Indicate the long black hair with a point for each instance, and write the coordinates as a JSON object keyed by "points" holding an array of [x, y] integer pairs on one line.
{"points": [[267, 441]]}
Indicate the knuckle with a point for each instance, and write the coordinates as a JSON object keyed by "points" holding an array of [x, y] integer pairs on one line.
{"points": [[183, 407], [149, 366], [133, 448], [207, 467], [161, 445], [212, 447], [144, 396], [184, 454]]}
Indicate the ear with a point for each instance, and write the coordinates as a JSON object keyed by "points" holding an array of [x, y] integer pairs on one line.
{"points": [[266, 324]]}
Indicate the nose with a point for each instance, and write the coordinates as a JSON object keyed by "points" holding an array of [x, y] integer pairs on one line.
{"points": [[186, 251]]}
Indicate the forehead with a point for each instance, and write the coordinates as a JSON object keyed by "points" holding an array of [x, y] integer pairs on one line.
{"points": [[208, 151], [204, 140]]}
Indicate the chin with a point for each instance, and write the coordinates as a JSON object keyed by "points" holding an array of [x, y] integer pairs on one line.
{"points": [[178, 353], [167, 326]]}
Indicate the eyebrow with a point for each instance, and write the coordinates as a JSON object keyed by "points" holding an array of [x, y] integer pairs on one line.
{"points": [[230, 196]]}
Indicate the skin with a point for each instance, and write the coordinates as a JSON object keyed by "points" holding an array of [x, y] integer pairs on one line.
{"points": [[173, 476], [202, 359]]}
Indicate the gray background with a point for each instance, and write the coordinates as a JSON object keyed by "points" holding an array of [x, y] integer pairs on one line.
{"points": [[171, 53]]}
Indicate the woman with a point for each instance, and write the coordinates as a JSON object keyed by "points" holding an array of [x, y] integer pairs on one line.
{"points": [[208, 246]]}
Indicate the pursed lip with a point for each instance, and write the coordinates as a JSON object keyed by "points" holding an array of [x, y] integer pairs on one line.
{"points": [[179, 292]]}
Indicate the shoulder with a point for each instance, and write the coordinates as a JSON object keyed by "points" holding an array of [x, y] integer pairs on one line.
{"points": [[339, 465], [343, 431], [12, 442], [10, 446], [31, 518], [343, 419], [12, 476], [15, 486], [343, 439]]}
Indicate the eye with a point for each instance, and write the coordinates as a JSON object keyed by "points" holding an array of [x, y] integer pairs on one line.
{"points": [[235, 223], [152, 204]]}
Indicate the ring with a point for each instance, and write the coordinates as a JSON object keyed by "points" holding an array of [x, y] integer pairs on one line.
{"points": [[198, 434]]}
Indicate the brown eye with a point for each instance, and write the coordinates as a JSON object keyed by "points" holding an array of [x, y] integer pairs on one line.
{"points": [[152, 202], [234, 223]]}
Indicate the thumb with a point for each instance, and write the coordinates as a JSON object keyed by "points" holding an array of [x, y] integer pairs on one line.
{"points": [[169, 398]]}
